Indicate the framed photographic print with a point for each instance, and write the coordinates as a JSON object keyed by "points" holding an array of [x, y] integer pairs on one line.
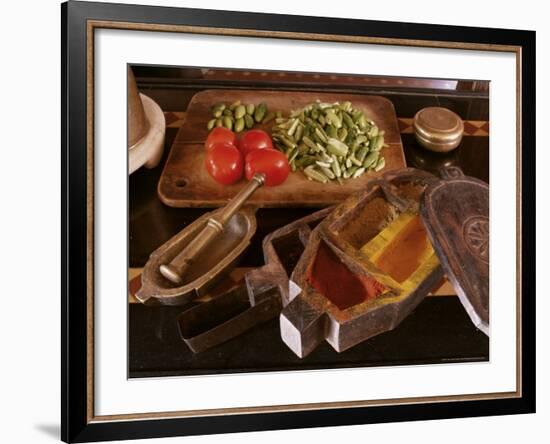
{"points": [[277, 221]]}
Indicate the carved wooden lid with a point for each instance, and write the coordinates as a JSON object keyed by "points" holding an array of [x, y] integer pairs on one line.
{"points": [[455, 211]]}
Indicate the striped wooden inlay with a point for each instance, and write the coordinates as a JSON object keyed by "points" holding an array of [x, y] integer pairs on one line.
{"points": [[174, 119], [471, 127]]}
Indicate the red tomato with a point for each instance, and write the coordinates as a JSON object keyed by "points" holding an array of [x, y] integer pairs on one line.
{"points": [[272, 163], [224, 163], [255, 139], [220, 135]]}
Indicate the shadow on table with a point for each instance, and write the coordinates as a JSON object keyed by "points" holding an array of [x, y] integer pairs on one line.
{"points": [[51, 430]]}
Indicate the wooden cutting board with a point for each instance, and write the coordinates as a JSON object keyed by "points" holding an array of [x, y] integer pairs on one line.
{"points": [[185, 182]]}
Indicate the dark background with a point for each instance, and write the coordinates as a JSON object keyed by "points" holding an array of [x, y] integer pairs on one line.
{"points": [[437, 331]]}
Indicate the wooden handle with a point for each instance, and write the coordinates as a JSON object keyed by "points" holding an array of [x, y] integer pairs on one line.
{"points": [[176, 269], [451, 172]]}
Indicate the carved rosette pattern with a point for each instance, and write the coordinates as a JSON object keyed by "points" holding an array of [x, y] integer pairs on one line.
{"points": [[476, 236]]}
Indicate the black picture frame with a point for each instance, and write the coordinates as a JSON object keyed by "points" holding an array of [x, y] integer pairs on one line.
{"points": [[76, 423]]}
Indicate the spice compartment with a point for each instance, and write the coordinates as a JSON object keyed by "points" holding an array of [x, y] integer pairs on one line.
{"points": [[223, 318], [282, 251], [394, 245], [289, 247]]}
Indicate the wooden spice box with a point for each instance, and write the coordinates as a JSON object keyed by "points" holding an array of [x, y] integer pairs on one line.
{"points": [[376, 256]]}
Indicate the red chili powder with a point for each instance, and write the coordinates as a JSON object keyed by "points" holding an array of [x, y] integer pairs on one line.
{"points": [[334, 280]]}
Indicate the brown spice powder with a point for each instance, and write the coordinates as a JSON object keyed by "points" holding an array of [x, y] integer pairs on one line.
{"points": [[368, 221]]}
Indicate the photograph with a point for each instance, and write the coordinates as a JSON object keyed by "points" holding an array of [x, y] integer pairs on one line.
{"points": [[289, 220]]}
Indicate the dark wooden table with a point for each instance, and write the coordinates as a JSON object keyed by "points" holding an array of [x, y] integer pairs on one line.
{"points": [[437, 331]]}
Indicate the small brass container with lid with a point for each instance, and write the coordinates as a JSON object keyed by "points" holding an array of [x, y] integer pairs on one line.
{"points": [[438, 129]]}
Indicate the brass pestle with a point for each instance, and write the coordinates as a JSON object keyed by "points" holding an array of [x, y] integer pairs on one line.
{"points": [[177, 268]]}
